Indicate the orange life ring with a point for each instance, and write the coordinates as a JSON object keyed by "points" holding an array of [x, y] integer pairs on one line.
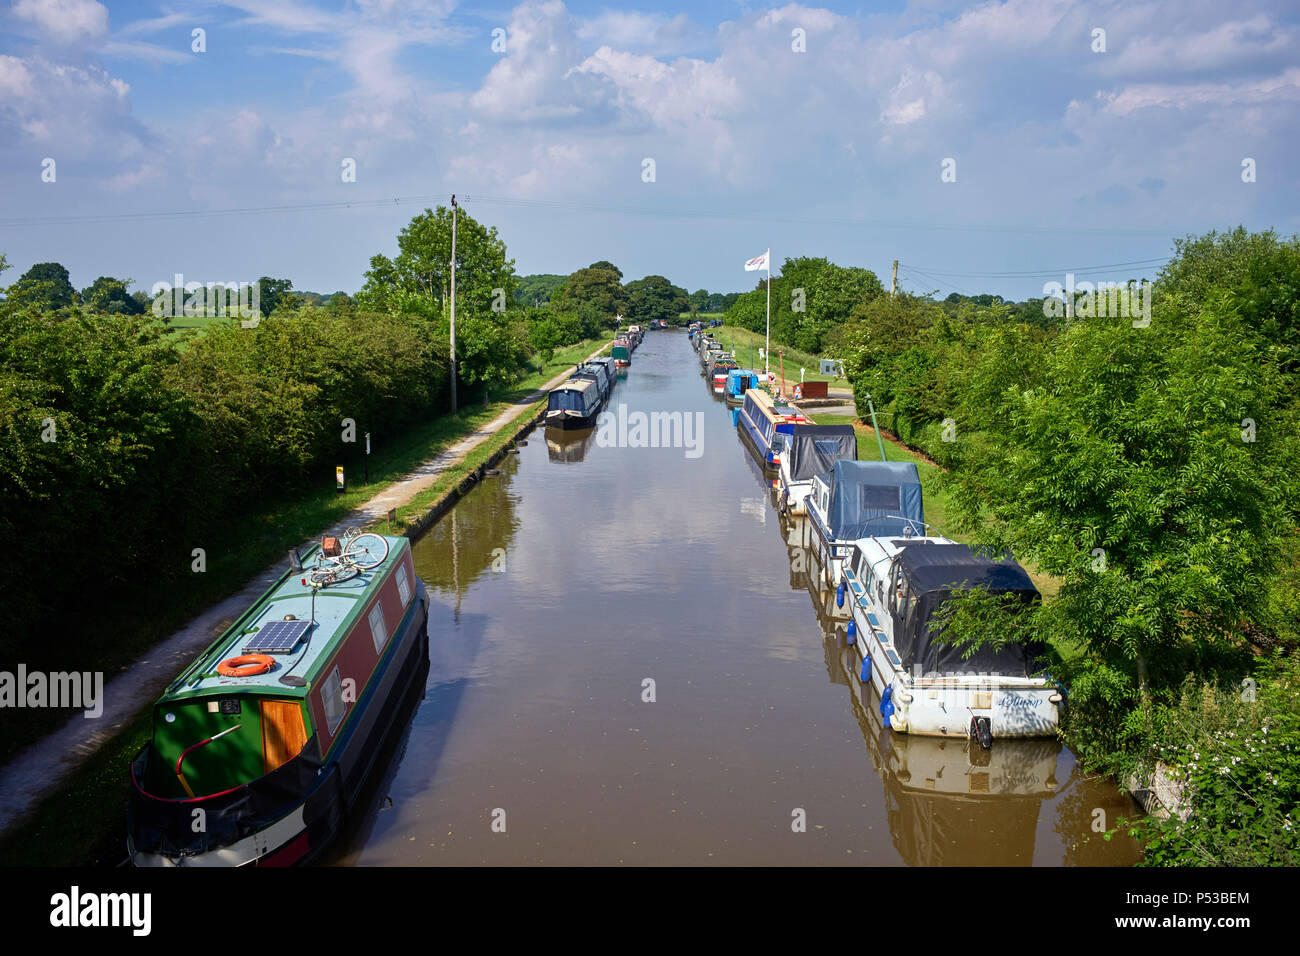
{"points": [[246, 665]]}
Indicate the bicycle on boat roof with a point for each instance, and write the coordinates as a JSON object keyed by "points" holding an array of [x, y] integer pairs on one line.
{"points": [[355, 552]]}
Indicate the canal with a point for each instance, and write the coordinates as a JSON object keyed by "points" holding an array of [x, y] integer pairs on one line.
{"points": [[630, 665]]}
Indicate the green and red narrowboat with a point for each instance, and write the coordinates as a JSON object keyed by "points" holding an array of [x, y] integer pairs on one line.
{"points": [[258, 758]]}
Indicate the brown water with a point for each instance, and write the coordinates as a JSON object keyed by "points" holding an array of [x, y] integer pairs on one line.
{"points": [[561, 585]]}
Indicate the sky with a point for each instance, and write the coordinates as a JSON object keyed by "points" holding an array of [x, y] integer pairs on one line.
{"points": [[988, 147]]}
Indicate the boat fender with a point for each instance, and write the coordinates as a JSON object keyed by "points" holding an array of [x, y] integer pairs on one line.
{"points": [[866, 669], [852, 632], [839, 595], [887, 703], [245, 665]]}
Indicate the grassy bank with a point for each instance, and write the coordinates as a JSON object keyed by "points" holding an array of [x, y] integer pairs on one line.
{"points": [[745, 345], [65, 829]]}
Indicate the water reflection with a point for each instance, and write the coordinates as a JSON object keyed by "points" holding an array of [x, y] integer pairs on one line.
{"points": [[568, 446]]}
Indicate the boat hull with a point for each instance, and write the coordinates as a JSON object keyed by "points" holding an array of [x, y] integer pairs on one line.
{"points": [[570, 421]]}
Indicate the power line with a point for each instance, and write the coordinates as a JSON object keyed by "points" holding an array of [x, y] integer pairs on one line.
{"points": [[1029, 274]]}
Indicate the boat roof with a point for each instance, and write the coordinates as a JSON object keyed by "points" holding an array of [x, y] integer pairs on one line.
{"points": [[814, 449], [333, 613], [933, 566], [576, 385], [873, 498]]}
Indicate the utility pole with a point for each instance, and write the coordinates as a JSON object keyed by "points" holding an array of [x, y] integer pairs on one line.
{"points": [[893, 282], [453, 304]]}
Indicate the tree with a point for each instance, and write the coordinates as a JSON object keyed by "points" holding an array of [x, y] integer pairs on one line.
{"points": [[597, 288], [654, 297], [275, 294], [418, 280], [45, 287], [110, 296], [537, 290], [700, 300], [1126, 475]]}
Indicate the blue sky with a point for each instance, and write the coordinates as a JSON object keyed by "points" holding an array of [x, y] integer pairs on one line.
{"points": [[1065, 157]]}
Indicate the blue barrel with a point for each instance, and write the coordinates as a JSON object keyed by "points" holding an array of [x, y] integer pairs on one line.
{"points": [[887, 703], [852, 632], [866, 671], [839, 595]]}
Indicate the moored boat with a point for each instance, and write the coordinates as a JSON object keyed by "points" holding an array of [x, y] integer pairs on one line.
{"points": [[739, 381], [575, 404], [812, 450], [896, 586], [598, 373], [857, 499], [767, 424], [271, 735], [621, 354]]}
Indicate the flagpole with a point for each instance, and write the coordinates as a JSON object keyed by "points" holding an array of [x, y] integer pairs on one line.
{"points": [[767, 352]]}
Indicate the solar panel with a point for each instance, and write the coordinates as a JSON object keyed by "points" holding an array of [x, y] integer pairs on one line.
{"points": [[276, 637]]}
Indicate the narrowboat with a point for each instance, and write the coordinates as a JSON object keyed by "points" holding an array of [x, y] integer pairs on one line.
{"points": [[597, 373], [575, 404], [812, 450], [611, 370], [740, 380], [622, 355], [767, 424], [718, 371], [895, 586], [270, 736], [857, 499]]}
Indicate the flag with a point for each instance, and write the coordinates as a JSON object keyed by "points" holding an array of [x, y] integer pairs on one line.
{"points": [[758, 262]]}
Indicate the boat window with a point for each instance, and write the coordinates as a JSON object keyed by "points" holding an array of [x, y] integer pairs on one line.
{"points": [[378, 627], [827, 446], [331, 698], [880, 498], [403, 585]]}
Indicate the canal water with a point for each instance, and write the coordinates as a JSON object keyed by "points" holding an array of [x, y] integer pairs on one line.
{"points": [[631, 665]]}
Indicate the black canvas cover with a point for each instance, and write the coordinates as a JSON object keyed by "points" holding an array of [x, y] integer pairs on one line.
{"points": [[814, 449], [931, 573]]}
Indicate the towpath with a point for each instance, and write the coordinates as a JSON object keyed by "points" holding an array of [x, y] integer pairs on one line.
{"points": [[37, 771]]}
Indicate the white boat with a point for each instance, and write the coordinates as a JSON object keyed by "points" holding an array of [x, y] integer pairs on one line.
{"points": [[812, 450], [857, 499], [894, 587]]}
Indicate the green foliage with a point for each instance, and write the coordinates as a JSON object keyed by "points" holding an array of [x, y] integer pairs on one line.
{"points": [[418, 280], [654, 297], [44, 287], [1238, 760], [597, 289], [811, 299], [276, 295], [1260, 274], [110, 295], [120, 449], [537, 290]]}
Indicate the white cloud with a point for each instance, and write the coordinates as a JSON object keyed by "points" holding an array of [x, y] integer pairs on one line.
{"points": [[65, 21]]}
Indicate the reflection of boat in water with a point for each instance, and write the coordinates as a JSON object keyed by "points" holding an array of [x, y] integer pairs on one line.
{"points": [[565, 446], [949, 802]]}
